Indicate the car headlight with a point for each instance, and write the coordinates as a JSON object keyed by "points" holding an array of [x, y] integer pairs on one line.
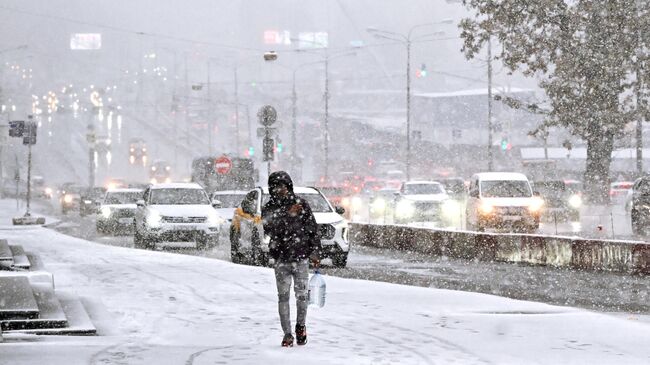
{"points": [[575, 201], [67, 198], [154, 181], [536, 204], [405, 209], [106, 212], [356, 202], [486, 208], [154, 218], [214, 219], [168, 180], [345, 202], [88, 201], [48, 191], [378, 205]]}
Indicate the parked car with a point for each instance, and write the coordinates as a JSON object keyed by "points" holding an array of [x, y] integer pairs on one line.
{"points": [[117, 211], [640, 205], [502, 200], [420, 201], [560, 202], [176, 213], [91, 200], [248, 243]]}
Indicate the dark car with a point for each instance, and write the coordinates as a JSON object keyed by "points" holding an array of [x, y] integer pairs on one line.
{"points": [[91, 200], [455, 187], [640, 206], [70, 197], [561, 200]]}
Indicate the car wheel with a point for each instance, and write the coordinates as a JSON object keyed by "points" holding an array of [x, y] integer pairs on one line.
{"points": [[637, 228], [138, 240], [340, 260]]}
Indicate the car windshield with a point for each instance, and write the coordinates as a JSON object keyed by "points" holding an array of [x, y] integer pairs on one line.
{"points": [[644, 187], [505, 189], [123, 197], [317, 202], [332, 192], [421, 189], [178, 196], [229, 200]]}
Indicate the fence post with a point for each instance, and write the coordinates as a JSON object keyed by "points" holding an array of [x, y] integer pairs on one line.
{"points": [[611, 217]]}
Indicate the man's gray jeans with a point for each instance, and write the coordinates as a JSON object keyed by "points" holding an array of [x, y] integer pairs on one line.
{"points": [[299, 272]]}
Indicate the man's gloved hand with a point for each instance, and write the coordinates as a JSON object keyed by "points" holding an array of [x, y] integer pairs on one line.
{"points": [[315, 259]]}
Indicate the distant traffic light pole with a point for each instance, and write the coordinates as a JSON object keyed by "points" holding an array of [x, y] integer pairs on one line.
{"points": [[407, 40]]}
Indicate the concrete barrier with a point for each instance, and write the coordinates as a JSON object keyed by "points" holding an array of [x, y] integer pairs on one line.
{"points": [[629, 257]]}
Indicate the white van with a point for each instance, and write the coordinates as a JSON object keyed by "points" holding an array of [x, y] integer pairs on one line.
{"points": [[504, 201]]}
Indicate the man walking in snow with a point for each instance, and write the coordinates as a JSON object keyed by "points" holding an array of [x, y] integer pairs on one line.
{"points": [[295, 240]]}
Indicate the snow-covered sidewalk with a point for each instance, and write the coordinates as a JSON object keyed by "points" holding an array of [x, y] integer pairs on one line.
{"points": [[166, 308]]}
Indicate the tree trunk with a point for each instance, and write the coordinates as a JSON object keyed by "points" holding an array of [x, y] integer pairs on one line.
{"points": [[599, 158]]}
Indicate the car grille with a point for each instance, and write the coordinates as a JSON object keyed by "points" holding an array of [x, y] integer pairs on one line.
{"points": [[427, 207], [327, 231], [511, 210], [123, 213], [168, 219]]}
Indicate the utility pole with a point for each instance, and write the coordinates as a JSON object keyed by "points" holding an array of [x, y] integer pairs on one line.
{"points": [[408, 109], [210, 116], [489, 92], [237, 112], [327, 97], [294, 100]]}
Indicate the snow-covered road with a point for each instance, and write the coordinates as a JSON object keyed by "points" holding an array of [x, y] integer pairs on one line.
{"points": [[163, 308]]}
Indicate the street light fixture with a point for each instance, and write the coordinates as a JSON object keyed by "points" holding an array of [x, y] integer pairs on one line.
{"points": [[407, 40]]}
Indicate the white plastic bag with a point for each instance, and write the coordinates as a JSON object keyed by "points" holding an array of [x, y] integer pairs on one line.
{"points": [[317, 290]]}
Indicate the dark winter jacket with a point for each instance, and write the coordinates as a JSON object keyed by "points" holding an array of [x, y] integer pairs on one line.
{"points": [[294, 235]]}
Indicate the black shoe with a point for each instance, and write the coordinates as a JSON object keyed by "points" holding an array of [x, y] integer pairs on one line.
{"points": [[287, 341], [301, 334]]}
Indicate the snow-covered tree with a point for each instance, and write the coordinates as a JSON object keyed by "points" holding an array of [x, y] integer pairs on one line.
{"points": [[590, 57]]}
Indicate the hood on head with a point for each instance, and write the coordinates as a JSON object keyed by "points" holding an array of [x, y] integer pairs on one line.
{"points": [[280, 178]]}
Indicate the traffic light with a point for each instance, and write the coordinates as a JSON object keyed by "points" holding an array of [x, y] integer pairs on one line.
{"points": [[251, 151], [16, 128], [279, 147], [423, 70], [505, 145]]}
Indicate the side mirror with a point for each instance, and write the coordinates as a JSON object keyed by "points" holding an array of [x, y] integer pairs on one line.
{"points": [[473, 193], [339, 210], [536, 193], [216, 203], [247, 207], [140, 203]]}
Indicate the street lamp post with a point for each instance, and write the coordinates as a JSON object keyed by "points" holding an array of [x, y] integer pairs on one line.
{"points": [[407, 40]]}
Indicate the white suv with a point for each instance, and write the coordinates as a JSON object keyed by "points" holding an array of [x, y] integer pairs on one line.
{"points": [[421, 201], [246, 231], [502, 200], [176, 213]]}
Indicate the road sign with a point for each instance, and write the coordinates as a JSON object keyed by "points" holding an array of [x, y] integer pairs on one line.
{"points": [[16, 128], [261, 132], [222, 165], [267, 115], [29, 135]]}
